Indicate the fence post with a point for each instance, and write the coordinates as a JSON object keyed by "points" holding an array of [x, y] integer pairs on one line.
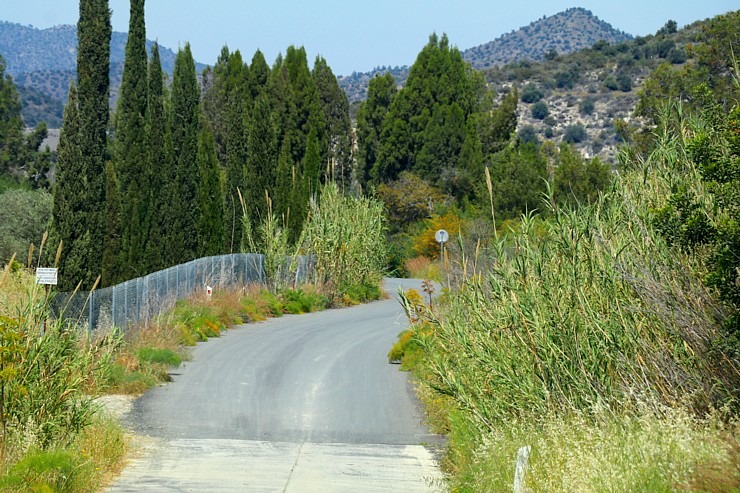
{"points": [[522, 464], [90, 313]]}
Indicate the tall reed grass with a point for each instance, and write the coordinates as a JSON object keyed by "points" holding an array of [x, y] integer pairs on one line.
{"points": [[588, 317], [346, 235]]}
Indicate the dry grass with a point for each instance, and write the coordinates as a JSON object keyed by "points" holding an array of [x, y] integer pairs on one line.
{"points": [[424, 268]]}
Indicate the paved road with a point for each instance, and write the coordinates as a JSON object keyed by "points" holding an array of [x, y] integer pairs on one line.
{"points": [[295, 404]]}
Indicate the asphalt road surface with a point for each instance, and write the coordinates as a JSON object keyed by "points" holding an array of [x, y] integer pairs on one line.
{"points": [[294, 404]]}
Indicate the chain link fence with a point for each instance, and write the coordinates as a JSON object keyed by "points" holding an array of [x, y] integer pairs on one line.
{"points": [[139, 300]]}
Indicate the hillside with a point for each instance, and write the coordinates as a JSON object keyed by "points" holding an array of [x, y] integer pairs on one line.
{"points": [[562, 33], [582, 96], [43, 62]]}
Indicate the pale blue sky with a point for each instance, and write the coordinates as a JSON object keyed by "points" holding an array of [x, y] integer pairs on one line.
{"points": [[354, 35]]}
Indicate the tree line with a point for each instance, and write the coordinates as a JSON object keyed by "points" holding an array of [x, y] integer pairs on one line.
{"points": [[447, 126], [168, 176]]}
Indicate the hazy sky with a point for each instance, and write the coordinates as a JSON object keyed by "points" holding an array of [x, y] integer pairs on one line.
{"points": [[353, 36]]}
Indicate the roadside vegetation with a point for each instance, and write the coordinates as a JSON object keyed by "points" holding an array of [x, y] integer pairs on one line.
{"points": [[602, 334], [55, 437]]}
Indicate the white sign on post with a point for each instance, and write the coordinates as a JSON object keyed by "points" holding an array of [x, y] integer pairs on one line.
{"points": [[441, 236], [46, 275]]}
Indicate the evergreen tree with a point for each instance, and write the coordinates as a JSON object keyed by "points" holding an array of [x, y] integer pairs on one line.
{"points": [[19, 155], [440, 89], [443, 137], [236, 160], [183, 237], [235, 93], [335, 108], [261, 159], [159, 170], [114, 265], [312, 166], [69, 214], [370, 117], [306, 111], [93, 63], [258, 77], [518, 177], [131, 145], [210, 197], [284, 183], [11, 123], [78, 218]]}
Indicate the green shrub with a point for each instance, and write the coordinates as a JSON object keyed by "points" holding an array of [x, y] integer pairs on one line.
{"points": [[531, 94], [299, 301], [575, 134], [43, 471], [124, 381], [539, 110], [158, 355], [359, 293]]}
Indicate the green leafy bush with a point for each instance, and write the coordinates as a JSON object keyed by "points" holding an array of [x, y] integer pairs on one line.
{"points": [[161, 356], [540, 111]]}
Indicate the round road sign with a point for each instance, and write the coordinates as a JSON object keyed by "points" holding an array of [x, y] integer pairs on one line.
{"points": [[441, 236]]}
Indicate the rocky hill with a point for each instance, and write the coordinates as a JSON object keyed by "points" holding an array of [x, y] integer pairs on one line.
{"points": [[583, 97], [566, 32], [560, 34], [43, 63]]}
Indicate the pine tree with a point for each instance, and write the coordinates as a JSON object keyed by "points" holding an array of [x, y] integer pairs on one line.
{"points": [[93, 63], [183, 239], [159, 170], [131, 145], [210, 197]]}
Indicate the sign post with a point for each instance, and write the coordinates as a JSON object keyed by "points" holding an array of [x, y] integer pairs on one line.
{"points": [[441, 236], [48, 277]]}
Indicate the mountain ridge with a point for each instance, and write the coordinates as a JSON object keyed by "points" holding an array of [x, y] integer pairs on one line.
{"points": [[43, 63], [563, 33], [556, 33]]}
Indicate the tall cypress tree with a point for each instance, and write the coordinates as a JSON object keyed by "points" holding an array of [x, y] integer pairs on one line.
{"points": [[114, 265], [261, 159], [131, 145], [79, 217], [93, 67], [183, 239], [282, 192], [210, 197], [159, 165], [335, 108], [68, 217], [380, 93]]}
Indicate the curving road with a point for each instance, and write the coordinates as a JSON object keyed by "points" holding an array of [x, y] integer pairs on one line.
{"points": [[294, 404]]}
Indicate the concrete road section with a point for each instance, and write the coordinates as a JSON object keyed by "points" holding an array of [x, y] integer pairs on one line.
{"points": [[294, 404]]}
